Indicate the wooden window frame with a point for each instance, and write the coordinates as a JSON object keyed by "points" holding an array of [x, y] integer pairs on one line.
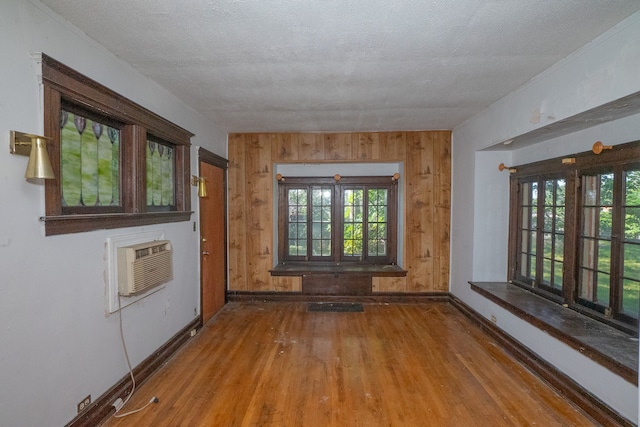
{"points": [[63, 85], [337, 220], [619, 158]]}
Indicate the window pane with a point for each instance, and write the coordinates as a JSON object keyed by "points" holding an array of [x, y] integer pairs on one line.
{"points": [[546, 271], [631, 261], [603, 289], [532, 267], [559, 220], [559, 247], [548, 245], [557, 275], [90, 153], [587, 284], [353, 205], [604, 256], [604, 225], [321, 198], [606, 189], [630, 293], [561, 188], [297, 207], [632, 223], [160, 175]]}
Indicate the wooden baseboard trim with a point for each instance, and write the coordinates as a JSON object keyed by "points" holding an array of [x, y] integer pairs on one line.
{"points": [[565, 386], [378, 297], [102, 407]]}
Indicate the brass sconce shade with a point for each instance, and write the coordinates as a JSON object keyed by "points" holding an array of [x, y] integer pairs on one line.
{"points": [[202, 185], [35, 147]]}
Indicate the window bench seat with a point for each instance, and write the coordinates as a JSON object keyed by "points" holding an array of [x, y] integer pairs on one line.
{"points": [[337, 279], [610, 347]]}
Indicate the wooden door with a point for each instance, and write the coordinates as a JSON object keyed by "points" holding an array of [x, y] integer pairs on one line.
{"points": [[213, 236]]}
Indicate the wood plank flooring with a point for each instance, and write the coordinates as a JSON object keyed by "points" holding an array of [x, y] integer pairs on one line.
{"points": [[275, 364]]}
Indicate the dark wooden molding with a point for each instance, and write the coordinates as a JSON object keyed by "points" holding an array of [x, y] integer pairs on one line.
{"points": [[564, 385], [374, 298], [348, 268], [63, 224], [102, 408], [65, 88], [212, 158]]}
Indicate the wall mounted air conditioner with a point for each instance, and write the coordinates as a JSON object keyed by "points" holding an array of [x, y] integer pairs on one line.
{"points": [[144, 266]]}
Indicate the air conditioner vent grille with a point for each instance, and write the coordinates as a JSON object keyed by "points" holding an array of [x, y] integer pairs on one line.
{"points": [[143, 266]]}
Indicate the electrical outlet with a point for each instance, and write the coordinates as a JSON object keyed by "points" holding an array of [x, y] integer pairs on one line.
{"points": [[193, 332], [84, 403], [493, 318]]}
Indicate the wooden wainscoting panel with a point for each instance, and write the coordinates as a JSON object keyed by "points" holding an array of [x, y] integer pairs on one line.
{"points": [[419, 212], [286, 283], [237, 213], [426, 181], [389, 284], [366, 146], [285, 147], [442, 209], [393, 146], [338, 146], [310, 147], [259, 212]]}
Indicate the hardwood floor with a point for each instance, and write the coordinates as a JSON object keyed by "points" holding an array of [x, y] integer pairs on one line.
{"points": [[275, 364]]}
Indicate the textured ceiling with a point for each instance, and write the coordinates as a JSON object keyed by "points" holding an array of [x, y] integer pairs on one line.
{"points": [[320, 65]]}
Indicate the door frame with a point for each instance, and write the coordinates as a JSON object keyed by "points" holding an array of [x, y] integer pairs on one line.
{"points": [[206, 156]]}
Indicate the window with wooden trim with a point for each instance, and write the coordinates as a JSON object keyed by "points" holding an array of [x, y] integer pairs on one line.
{"points": [[575, 232], [116, 163], [353, 219]]}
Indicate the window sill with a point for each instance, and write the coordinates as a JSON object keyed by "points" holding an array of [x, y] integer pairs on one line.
{"points": [[611, 348], [301, 269], [65, 224]]}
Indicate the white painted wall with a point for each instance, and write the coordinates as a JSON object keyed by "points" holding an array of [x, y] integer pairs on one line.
{"points": [[57, 344], [602, 71]]}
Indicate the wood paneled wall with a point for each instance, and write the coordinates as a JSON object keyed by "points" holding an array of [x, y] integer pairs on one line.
{"points": [[427, 183]]}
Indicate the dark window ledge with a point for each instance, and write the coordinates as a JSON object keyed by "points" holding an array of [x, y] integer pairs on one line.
{"points": [[301, 269], [610, 347]]}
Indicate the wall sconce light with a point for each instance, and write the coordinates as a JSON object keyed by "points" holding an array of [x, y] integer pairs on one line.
{"points": [[201, 182], [502, 167], [35, 147]]}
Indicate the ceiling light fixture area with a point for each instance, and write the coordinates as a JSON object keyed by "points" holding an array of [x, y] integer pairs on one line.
{"points": [[34, 146]]}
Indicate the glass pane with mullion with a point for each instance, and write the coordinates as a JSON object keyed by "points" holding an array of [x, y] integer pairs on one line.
{"points": [[631, 260], [90, 161], [561, 186], [546, 271], [160, 173], [604, 286], [630, 297], [559, 214], [557, 274], [590, 221], [589, 190], [586, 286], [604, 256], [632, 223], [547, 243], [532, 267], [606, 189]]}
